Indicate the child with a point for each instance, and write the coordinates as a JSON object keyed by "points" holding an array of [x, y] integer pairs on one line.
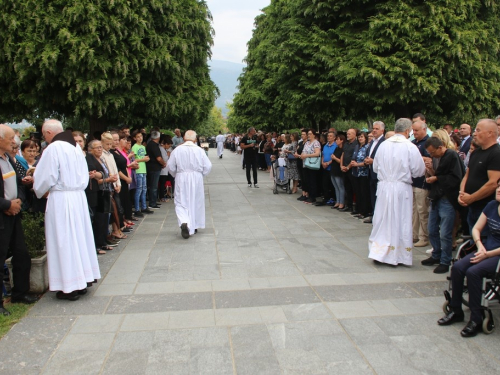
{"points": [[140, 192]]}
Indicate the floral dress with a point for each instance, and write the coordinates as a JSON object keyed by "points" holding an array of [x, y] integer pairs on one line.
{"points": [[292, 173]]}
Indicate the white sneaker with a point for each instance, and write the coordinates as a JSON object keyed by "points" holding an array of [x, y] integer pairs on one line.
{"points": [[255, 186]]}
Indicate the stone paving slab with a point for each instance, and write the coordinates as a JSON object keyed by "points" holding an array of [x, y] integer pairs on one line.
{"points": [[271, 286]]}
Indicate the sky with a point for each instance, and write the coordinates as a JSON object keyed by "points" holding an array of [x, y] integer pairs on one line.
{"points": [[233, 24]]}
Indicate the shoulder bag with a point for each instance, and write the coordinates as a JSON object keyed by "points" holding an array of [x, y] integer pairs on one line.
{"points": [[313, 163]]}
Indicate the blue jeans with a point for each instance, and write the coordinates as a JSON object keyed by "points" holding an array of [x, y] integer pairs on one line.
{"points": [[440, 226], [140, 191], [268, 159], [153, 178], [338, 184]]}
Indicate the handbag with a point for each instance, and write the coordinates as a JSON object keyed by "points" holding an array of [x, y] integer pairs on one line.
{"points": [[313, 163], [104, 202], [291, 157]]}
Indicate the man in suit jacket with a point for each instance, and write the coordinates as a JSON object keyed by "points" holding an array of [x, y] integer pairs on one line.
{"points": [[11, 230], [378, 130], [465, 134]]}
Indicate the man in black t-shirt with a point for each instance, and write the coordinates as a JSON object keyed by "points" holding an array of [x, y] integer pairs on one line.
{"points": [[480, 181], [249, 146], [154, 167]]}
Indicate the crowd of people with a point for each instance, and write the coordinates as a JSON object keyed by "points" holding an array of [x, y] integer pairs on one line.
{"points": [[436, 188], [91, 190]]}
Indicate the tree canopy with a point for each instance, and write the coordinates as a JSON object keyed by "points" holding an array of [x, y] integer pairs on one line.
{"points": [[312, 62], [137, 62]]}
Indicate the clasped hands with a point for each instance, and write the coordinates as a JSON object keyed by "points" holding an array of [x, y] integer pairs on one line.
{"points": [[15, 207]]}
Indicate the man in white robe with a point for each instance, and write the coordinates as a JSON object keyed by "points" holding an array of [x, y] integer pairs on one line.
{"points": [[396, 162], [189, 163], [220, 139], [71, 254]]}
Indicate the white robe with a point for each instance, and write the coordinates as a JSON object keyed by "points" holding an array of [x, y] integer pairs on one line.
{"points": [[71, 253], [220, 139], [396, 162], [189, 163]]}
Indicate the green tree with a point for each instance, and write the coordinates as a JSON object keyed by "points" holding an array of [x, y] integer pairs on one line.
{"points": [[213, 124], [313, 62], [139, 62]]}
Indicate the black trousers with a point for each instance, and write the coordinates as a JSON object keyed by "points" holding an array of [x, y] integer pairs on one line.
{"points": [[125, 200], [12, 241], [251, 164], [309, 182], [373, 193], [326, 181], [362, 191], [349, 188], [99, 227]]}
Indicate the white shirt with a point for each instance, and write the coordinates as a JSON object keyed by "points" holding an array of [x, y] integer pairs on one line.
{"points": [[374, 144]]}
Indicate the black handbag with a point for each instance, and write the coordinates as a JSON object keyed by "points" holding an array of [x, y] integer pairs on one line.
{"points": [[104, 202]]}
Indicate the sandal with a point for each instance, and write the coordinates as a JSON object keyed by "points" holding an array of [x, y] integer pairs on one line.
{"points": [[122, 237], [107, 248], [101, 252]]}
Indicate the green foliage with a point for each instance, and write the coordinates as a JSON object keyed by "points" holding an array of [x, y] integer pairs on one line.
{"points": [[109, 62], [311, 63], [26, 132], [34, 233], [213, 124], [17, 312]]}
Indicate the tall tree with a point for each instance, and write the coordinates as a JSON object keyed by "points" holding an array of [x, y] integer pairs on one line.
{"points": [[359, 59], [140, 62]]}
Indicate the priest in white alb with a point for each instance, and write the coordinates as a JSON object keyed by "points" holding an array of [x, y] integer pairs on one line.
{"points": [[220, 139], [63, 173], [396, 162], [189, 163]]}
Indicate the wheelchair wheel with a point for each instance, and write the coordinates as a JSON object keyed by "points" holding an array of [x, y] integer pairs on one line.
{"points": [[446, 307], [488, 323], [275, 190]]}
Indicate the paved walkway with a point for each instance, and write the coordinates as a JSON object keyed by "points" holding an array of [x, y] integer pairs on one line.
{"points": [[271, 286]]}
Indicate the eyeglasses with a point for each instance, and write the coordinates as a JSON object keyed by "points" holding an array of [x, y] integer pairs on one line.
{"points": [[97, 148]]}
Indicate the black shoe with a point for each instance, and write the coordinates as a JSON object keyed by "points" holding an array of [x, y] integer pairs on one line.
{"points": [[429, 262], [345, 209], [138, 214], [27, 299], [309, 201], [302, 198], [442, 268], [82, 291], [353, 213], [184, 231], [127, 230], [368, 220], [154, 207], [111, 244], [196, 231], [471, 329], [320, 204], [256, 186], [147, 211], [73, 296], [4, 311], [452, 317]]}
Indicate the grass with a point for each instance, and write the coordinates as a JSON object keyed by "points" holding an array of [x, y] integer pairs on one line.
{"points": [[17, 312]]}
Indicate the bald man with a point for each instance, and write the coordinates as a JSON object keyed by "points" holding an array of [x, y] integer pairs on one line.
{"points": [[465, 135], [11, 230], [480, 181]]}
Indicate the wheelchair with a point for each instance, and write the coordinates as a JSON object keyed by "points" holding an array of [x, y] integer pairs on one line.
{"points": [[490, 288]]}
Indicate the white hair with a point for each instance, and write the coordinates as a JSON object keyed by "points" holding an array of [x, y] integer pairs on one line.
{"points": [[402, 125], [54, 126], [382, 125], [17, 140], [3, 129], [155, 134], [190, 135]]}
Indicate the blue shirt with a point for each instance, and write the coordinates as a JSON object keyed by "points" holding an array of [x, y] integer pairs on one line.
{"points": [[327, 153], [491, 212], [359, 157]]}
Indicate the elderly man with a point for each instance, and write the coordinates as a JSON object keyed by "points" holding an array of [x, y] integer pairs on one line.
{"points": [[480, 180], [445, 184], [391, 238], [189, 163], [220, 139], [11, 231], [177, 139], [378, 137], [71, 255], [465, 135], [420, 189]]}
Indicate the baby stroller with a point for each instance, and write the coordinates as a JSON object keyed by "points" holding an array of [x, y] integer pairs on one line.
{"points": [[490, 288], [279, 173]]}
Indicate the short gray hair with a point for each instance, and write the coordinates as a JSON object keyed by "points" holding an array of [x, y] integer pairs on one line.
{"points": [[92, 143], [382, 125], [497, 118], [17, 140], [54, 126], [250, 129], [402, 125], [155, 134], [190, 135]]}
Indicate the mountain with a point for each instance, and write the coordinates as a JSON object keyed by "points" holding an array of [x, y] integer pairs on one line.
{"points": [[225, 75]]}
